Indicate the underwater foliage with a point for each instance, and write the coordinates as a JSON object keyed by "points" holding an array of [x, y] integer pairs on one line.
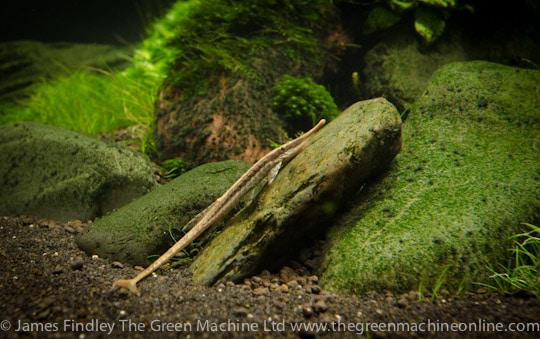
{"points": [[429, 16], [523, 273], [301, 102], [173, 168], [216, 36], [88, 102], [153, 57], [192, 40]]}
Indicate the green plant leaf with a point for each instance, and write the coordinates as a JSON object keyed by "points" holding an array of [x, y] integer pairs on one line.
{"points": [[429, 24], [402, 5], [380, 18], [440, 3]]}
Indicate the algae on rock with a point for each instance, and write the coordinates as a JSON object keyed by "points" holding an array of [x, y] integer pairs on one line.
{"points": [[306, 194], [144, 227], [465, 180], [53, 173], [216, 101]]}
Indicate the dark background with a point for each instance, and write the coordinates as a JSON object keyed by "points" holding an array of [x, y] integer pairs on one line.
{"points": [[122, 22], [118, 22]]}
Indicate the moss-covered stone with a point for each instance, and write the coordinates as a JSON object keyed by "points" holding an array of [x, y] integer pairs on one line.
{"points": [[466, 178], [144, 227], [216, 101], [53, 173], [399, 69], [305, 194]]}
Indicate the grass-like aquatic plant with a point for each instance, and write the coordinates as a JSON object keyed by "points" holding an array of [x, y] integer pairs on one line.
{"points": [[523, 274], [90, 101]]}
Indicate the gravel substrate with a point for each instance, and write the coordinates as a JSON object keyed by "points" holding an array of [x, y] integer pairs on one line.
{"points": [[50, 288]]}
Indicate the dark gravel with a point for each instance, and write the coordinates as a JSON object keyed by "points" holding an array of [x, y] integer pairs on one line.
{"points": [[50, 288]]}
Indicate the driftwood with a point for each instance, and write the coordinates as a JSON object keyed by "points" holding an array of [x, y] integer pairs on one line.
{"points": [[357, 145]]}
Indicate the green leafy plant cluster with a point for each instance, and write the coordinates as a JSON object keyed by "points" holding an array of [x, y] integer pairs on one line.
{"points": [[173, 168], [429, 16], [523, 274], [301, 102]]}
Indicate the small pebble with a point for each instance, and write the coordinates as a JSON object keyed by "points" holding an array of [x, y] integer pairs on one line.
{"points": [[261, 290], [257, 281], [319, 306], [313, 279], [282, 288], [117, 264], [307, 310], [241, 312], [77, 263], [316, 289], [403, 302], [293, 284], [57, 270], [287, 274]]}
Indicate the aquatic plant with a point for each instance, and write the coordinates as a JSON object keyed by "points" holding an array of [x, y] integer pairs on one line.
{"points": [[523, 273], [93, 101], [89, 101], [156, 52], [174, 167], [216, 36], [429, 15], [301, 102]]}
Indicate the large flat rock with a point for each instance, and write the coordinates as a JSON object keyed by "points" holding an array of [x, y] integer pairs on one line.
{"points": [[467, 177], [53, 173]]}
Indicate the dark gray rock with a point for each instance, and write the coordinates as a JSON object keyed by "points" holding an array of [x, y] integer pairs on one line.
{"points": [[306, 193], [467, 177], [399, 69], [399, 66], [57, 174], [144, 227]]}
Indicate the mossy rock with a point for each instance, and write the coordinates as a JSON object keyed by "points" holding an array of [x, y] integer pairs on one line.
{"points": [[216, 102], [53, 173], [466, 178], [144, 227], [305, 195]]}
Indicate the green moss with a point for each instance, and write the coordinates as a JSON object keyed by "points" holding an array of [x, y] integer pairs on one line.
{"points": [[301, 102], [153, 57], [464, 180], [219, 36]]}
